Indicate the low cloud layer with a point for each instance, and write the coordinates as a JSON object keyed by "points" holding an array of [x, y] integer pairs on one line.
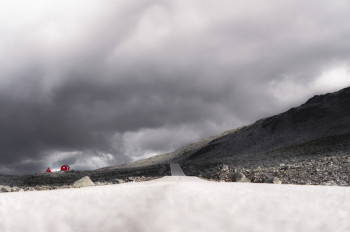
{"points": [[94, 83]]}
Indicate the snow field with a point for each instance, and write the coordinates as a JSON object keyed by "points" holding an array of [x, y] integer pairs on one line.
{"points": [[173, 204]]}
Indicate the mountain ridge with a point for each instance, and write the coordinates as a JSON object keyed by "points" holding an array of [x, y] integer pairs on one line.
{"points": [[319, 117]]}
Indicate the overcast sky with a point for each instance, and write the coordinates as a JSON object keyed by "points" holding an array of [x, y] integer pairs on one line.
{"points": [[97, 83]]}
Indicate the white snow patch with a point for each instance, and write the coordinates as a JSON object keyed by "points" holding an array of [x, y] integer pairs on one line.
{"points": [[178, 204]]}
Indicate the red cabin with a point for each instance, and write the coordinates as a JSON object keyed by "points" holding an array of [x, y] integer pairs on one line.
{"points": [[48, 170], [65, 167]]}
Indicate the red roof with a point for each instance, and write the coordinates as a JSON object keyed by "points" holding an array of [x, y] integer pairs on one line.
{"points": [[65, 167]]}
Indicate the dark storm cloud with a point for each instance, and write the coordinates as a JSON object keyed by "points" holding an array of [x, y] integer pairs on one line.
{"points": [[94, 84]]}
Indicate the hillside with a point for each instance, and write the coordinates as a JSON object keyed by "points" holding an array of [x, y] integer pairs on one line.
{"points": [[321, 117], [323, 120], [307, 144]]}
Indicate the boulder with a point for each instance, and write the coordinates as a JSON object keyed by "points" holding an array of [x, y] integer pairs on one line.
{"points": [[83, 182], [14, 189], [257, 179], [5, 189], [274, 180], [240, 177], [224, 173], [119, 181], [225, 168]]}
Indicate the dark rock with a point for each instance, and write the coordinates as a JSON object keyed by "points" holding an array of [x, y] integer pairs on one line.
{"points": [[256, 179]]}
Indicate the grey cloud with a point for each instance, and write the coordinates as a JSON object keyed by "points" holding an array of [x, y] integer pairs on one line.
{"points": [[110, 83]]}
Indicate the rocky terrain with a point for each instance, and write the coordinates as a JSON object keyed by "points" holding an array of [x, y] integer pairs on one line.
{"points": [[324, 161], [106, 176], [309, 144]]}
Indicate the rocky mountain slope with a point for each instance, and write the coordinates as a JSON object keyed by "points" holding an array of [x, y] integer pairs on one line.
{"points": [[309, 144], [321, 117], [322, 123]]}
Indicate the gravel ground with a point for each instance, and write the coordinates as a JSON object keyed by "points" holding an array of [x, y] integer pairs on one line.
{"points": [[324, 169]]}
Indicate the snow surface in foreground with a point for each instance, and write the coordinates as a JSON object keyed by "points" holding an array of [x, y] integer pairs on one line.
{"points": [[178, 204]]}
